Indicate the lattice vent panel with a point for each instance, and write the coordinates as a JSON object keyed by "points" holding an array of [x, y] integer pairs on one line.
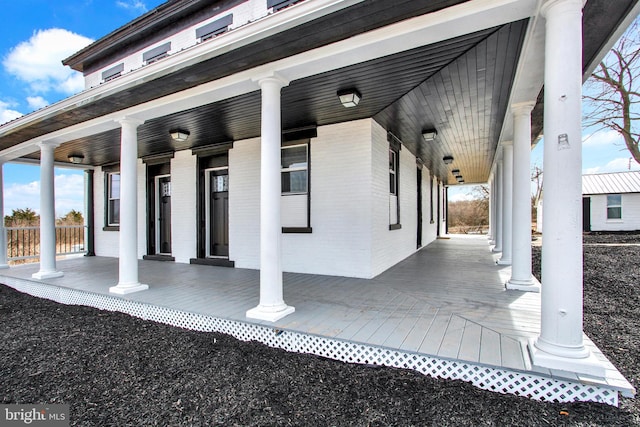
{"points": [[485, 377]]}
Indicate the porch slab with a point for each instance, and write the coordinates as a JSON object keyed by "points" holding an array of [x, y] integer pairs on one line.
{"points": [[443, 311]]}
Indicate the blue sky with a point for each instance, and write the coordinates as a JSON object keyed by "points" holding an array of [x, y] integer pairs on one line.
{"points": [[40, 33]]}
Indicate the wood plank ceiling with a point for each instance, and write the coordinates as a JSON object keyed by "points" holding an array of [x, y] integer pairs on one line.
{"points": [[459, 87]]}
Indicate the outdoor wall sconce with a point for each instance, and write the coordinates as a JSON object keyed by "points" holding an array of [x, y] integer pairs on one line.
{"points": [[447, 160], [429, 135], [349, 97], [76, 158], [179, 135]]}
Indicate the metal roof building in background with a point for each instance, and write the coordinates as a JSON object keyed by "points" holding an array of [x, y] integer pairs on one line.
{"points": [[611, 183]]}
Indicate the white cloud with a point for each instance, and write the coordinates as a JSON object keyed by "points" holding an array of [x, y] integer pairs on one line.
{"points": [[37, 61], [133, 5], [602, 138], [37, 102], [7, 114], [69, 190], [621, 164], [459, 197]]}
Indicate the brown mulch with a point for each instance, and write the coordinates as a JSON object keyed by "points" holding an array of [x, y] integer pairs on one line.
{"points": [[114, 369]]}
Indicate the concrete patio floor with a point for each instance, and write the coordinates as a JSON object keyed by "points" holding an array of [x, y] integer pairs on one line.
{"points": [[446, 301]]}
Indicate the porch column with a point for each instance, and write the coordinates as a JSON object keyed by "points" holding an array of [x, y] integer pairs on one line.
{"points": [[498, 208], [47, 215], [507, 204], [3, 231], [128, 256], [89, 199], [492, 208], [272, 306], [521, 278], [560, 343]]}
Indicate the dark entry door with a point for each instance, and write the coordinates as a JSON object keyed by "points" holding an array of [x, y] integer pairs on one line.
{"points": [[164, 214], [219, 213], [586, 214]]}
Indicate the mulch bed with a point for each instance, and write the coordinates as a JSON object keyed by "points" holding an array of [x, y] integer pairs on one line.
{"points": [[114, 369]]}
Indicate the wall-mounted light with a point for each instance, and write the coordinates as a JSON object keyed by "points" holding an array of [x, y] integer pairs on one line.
{"points": [[76, 158], [447, 160], [455, 172], [429, 135], [349, 97], [459, 178], [179, 135]]}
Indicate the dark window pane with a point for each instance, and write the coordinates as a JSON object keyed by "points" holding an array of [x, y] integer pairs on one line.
{"points": [[294, 182], [614, 213], [294, 157], [114, 192]]}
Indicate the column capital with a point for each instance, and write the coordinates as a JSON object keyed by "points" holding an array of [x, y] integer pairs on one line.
{"points": [[129, 121], [271, 77], [522, 108], [569, 5], [44, 144]]}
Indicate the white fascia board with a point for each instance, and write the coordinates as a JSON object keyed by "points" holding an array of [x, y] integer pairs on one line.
{"points": [[442, 25]]}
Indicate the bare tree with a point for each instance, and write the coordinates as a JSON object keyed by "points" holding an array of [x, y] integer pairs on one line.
{"points": [[613, 91]]}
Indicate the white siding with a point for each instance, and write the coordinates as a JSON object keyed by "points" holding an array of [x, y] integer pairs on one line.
{"points": [[243, 13], [183, 206], [244, 203], [630, 213], [106, 242], [392, 246]]}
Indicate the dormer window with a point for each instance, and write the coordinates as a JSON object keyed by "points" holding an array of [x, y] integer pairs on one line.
{"points": [[156, 54], [112, 73], [215, 28], [280, 4]]}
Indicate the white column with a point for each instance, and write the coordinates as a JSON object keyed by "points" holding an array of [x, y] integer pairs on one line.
{"points": [[560, 343], [47, 214], [128, 256], [521, 277], [491, 207], [272, 306], [507, 204], [3, 231], [498, 208]]}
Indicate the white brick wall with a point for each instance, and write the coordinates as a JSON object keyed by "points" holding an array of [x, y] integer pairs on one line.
{"points": [[630, 213], [242, 14], [183, 206], [106, 242]]}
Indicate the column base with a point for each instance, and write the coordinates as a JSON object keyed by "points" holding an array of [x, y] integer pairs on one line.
{"points": [[121, 289], [496, 249], [270, 314], [4, 266], [41, 275], [503, 261], [530, 285], [492, 242], [579, 361]]}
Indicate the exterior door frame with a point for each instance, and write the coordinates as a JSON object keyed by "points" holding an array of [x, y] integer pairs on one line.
{"points": [[207, 210], [158, 228]]}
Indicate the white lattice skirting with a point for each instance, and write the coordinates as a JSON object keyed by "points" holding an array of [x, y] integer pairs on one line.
{"points": [[485, 377]]}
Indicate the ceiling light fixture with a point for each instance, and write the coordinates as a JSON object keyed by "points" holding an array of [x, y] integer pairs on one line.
{"points": [[429, 135], [447, 160], [349, 97], [76, 158], [455, 171], [179, 135]]}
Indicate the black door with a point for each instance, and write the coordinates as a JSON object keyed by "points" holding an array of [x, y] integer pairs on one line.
{"points": [[586, 214], [419, 182], [219, 213], [164, 215]]}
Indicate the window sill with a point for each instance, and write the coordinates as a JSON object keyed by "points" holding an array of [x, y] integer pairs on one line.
{"points": [[395, 226], [111, 228], [300, 230], [615, 220]]}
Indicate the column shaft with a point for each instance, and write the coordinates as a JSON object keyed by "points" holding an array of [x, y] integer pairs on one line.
{"points": [[521, 277], [3, 231], [128, 256], [507, 205], [498, 208], [272, 306], [47, 215]]}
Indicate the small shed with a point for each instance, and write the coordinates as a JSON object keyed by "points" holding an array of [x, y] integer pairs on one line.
{"points": [[611, 201]]}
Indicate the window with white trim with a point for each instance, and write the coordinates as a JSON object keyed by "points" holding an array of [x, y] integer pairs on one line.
{"points": [[113, 199], [393, 172], [614, 206]]}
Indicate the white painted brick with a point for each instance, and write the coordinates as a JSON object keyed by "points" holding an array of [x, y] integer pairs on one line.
{"points": [[183, 206]]}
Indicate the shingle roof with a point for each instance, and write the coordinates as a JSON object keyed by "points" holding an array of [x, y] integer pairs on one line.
{"points": [[611, 183]]}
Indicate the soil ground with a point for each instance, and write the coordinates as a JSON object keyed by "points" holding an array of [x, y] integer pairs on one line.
{"points": [[114, 369]]}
